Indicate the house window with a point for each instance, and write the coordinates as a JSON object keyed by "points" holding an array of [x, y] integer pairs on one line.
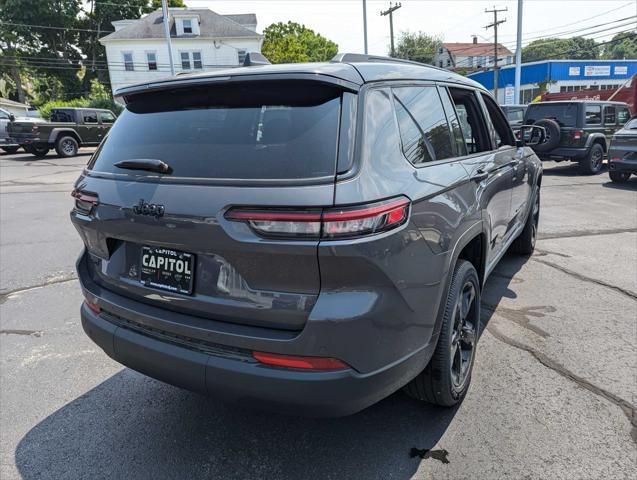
{"points": [[187, 25], [151, 57], [440, 51], [185, 61], [440, 63], [196, 60], [448, 62], [128, 62], [242, 56]]}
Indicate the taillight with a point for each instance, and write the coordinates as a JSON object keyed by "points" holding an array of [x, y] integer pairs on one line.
{"points": [[577, 134], [329, 223], [304, 363], [35, 129], [84, 201], [92, 306]]}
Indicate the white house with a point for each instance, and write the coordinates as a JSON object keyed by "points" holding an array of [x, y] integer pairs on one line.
{"points": [[470, 56], [201, 40]]}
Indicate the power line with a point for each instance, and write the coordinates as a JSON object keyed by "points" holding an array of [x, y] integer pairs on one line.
{"points": [[54, 28]]}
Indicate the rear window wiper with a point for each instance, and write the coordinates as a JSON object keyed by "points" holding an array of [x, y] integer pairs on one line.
{"points": [[149, 164]]}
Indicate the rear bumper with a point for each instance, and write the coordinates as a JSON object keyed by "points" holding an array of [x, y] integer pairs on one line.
{"points": [[244, 381], [216, 359], [624, 165], [25, 138], [563, 152]]}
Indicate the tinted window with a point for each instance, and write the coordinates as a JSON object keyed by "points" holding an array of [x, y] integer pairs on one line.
{"points": [[514, 114], [565, 114], [471, 120], [593, 114], [63, 116], [107, 117], [454, 122], [424, 131], [609, 115], [89, 117], [501, 129], [276, 131], [623, 115]]}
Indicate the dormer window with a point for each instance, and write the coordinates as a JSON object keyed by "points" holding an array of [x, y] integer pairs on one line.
{"points": [[187, 25]]}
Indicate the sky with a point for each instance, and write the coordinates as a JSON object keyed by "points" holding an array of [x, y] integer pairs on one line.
{"points": [[452, 20]]}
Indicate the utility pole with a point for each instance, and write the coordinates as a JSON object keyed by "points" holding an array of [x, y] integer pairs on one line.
{"points": [[495, 24], [165, 12], [365, 25], [390, 11], [518, 54]]}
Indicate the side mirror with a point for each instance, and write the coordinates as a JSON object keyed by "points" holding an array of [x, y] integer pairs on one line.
{"points": [[12, 117], [531, 135]]}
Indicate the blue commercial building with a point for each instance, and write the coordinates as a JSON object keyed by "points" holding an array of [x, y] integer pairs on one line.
{"points": [[561, 75]]}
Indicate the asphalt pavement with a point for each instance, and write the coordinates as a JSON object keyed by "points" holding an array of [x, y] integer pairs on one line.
{"points": [[553, 394]]}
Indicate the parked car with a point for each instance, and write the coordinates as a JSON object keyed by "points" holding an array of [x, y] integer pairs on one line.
{"points": [[578, 130], [622, 154], [5, 142], [515, 115], [68, 130], [307, 238]]}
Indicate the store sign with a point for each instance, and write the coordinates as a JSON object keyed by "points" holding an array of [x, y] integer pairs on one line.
{"points": [[596, 70], [509, 95], [621, 70], [573, 71]]}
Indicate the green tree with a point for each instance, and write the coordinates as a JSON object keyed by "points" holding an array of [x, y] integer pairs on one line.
{"points": [[293, 43], [621, 46], [417, 46], [576, 48], [155, 4]]}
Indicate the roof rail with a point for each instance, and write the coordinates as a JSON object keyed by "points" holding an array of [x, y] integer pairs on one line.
{"points": [[255, 58], [364, 58]]}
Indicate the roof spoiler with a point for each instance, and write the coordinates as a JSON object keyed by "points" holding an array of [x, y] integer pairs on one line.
{"points": [[254, 59], [364, 58]]}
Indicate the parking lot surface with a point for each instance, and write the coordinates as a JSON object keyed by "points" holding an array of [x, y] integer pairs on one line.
{"points": [[553, 395]]}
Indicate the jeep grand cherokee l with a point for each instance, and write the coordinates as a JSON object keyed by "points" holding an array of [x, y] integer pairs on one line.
{"points": [[307, 238]]}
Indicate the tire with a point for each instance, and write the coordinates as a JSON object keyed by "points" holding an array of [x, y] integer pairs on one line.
{"points": [[10, 150], [553, 132], [525, 243], [442, 382], [619, 177], [66, 146], [592, 163], [38, 150]]}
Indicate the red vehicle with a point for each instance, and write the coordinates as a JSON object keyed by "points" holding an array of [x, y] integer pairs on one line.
{"points": [[626, 93]]}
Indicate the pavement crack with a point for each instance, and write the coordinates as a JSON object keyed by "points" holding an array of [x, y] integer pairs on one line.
{"points": [[29, 333], [51, 281], [626, 407], [522, 316], [585, 233], [584, 278]]}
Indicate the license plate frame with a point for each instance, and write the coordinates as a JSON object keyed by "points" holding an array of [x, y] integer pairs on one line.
{"points": [[167, 269]]}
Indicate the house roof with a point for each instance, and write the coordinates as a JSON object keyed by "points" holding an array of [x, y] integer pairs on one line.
{"points": [[472, 49], [211, 25], [243, 18], [11, 103]]}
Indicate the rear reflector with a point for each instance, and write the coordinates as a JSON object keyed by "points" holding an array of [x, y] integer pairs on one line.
{"points": [[305, 363], [84, 201], [328, 223], [577, 134], [93, 307]]}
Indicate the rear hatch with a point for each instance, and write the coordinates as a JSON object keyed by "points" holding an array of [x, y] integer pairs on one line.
{"points": [[164, 239], [565, 114], [23, 129]]}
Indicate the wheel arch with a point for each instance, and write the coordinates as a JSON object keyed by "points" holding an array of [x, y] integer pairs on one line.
{"points": [[56, 133], [594, 138]]}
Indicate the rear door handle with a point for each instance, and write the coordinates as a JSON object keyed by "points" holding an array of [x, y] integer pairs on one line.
{"points": [[480, 175]]}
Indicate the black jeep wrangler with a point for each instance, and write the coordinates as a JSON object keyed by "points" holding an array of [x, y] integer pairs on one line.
{"points": [[577, 130]]}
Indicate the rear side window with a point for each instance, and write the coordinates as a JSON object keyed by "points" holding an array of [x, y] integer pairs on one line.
{"points": [[424, 131], [282, 130], [63, 116], [623, 115], [565, 114], [501, 129], [471, 120], [107, 117], [89, 117], [593, 114], [609, 116]]}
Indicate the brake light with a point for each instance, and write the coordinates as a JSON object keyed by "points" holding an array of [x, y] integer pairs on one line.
{"points": [[92, 306], [294, 361], [35, 129], [577, 134], [84, 201], [328, 223]]}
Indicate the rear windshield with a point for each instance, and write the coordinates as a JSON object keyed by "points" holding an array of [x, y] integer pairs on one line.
{"points": [[565, 114], [259, 131]]}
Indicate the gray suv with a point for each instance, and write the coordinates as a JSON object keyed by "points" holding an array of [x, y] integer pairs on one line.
{"points": [[307, 238]]}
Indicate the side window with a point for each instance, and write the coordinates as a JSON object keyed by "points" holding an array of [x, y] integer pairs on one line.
{"points": [[501, 129], [471, 121], [623, 115], [3, 115], [89, 117], [424, 131], [107, 117], [454, 122], [609, 115], [593, 114], [62, 116]]}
